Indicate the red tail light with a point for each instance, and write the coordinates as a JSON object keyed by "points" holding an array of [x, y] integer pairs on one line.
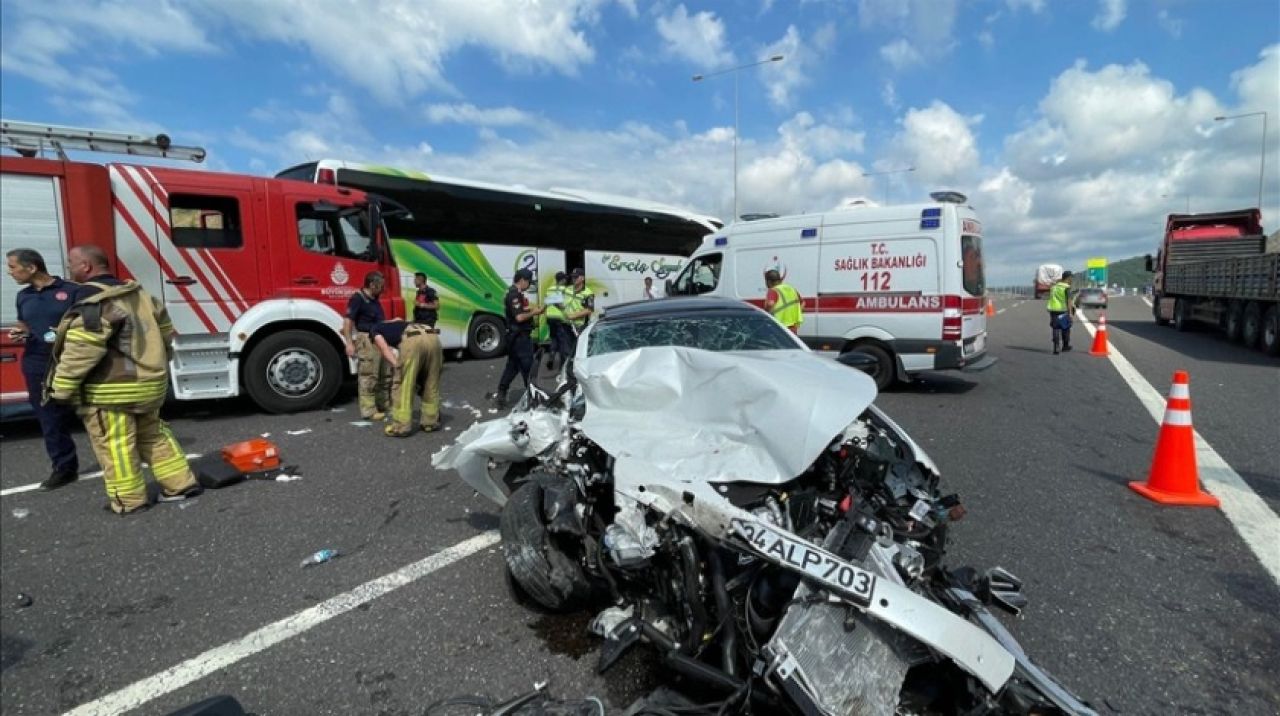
{"points": [[952, 320], [326, 176]]}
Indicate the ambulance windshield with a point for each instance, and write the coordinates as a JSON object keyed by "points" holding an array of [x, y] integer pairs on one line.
{"points": [[700, 276]]}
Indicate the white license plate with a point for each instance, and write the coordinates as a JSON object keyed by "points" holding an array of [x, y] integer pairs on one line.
{"points": [[854, 583]]}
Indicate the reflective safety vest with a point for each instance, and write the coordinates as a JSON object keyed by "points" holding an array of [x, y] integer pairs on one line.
{"points": [[1058, 298], [576, 301], [555, 311], [788, 310]]}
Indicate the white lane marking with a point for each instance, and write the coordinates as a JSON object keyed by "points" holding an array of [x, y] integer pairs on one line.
{"points": [[1002, 310], [1251, 517], [1147, 301], [87, 476], [220, 657]]}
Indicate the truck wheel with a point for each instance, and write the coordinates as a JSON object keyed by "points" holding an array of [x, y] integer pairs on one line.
{"points": [[1271, 331], [1252, 324], [884, 373], [1181, 315], [1155, 312], [292, 371], [541, 569], [1235, 322], [487, 337]]}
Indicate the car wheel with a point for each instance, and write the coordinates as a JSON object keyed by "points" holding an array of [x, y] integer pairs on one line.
{"points": [[292, 371], [1252, 329], [545, 572], [1271, 331], [487, 337], [1235, 322], [883, 373]]}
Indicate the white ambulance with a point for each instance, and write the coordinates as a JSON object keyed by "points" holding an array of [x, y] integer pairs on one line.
{"points": [[901, 284]]}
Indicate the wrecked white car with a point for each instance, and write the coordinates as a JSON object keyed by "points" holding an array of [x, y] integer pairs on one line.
{"points": [[713, 489]]}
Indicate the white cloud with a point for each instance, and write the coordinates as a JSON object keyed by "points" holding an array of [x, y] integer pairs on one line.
{"points": [[473, 115], [782, 79], [803, 134], [1170, 24], [698, 38], [938, 141], [986, 39], [889, 95], [900, 54], [1035, 6], [1110, 14]]}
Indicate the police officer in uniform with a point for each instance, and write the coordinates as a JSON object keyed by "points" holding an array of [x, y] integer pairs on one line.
{"points": [[364, 311], [520, 320], [420, 355], [111, 359], [783, 301], [1059, 304], [41, 306], [426, 302], [557, 324]]}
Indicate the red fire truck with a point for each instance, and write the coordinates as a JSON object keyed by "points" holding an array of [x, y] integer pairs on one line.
{"points": [[255, 272]]}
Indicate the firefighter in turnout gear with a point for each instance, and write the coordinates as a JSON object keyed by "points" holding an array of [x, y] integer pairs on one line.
{"points": [[364, 311], [420, 360], [783, 301], [110, 359]]}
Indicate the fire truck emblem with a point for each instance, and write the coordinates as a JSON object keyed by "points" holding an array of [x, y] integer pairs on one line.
{"points": [[339, 274]]}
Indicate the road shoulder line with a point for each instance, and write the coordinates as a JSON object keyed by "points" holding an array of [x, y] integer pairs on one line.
{"points": [[1247, 513]]}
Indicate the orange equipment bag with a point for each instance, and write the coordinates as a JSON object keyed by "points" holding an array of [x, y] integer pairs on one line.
{"points": [[252, 455]]}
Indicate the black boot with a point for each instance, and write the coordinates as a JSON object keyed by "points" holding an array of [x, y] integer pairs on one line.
{"points": [[58, 479]]}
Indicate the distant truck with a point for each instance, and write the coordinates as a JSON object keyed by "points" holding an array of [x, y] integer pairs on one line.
{"points": [[1220, 269], [1046, 276]]}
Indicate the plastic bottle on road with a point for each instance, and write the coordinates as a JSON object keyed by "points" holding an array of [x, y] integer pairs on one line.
{"points": [[320, 557]]}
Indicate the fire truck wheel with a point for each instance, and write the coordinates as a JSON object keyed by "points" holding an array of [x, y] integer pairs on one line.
{"points": [[1271, 331], [884, 370], [292, 371], [487, 337]]}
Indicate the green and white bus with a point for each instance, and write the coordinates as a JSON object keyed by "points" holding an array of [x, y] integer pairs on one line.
{"points": [[470, 237]]}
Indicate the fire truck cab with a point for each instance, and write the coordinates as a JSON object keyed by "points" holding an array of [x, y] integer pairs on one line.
{"points": [[255, 272]]}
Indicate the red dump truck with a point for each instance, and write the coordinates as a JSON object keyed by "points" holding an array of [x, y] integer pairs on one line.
{"points": [[1220, 269]]}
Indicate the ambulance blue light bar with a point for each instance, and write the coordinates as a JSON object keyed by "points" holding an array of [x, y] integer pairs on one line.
{"points": [[808, 233], [930, 223], [722, 241], [931, 212]]}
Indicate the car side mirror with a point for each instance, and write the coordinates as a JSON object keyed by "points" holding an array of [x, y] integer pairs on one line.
{"points": [[1149, 263], [860, 361]]}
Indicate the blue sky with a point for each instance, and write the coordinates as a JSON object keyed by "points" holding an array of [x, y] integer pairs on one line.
{"points": [[1072, 125]]}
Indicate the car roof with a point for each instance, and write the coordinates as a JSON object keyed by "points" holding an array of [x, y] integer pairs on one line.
{"points": [[682, 305]]}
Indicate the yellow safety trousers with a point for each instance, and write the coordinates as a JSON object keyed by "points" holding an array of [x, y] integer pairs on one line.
{"points": [[372, 379], [421, 357], [122, 441]]}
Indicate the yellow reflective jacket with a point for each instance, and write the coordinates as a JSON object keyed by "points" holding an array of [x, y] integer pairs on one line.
{"points": [[112, 350], [789, 310]]}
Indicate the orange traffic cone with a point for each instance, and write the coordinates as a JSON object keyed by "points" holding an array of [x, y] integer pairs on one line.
{"points": [[991, 307], [1100, 338], [1174, 479]]}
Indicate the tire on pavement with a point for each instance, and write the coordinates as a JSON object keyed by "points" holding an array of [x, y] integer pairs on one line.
{"points": [[538, 566], [1271, 331], [293, 371], [487, 337], [1234, 327], [885, 371], [1181, 315], [1252, 329], [1155, 312]]}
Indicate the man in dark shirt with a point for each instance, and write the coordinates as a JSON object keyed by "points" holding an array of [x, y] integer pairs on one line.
{"points": [[40, 308], [426, 304], [364, 311], [420, 355], [520, 317]]}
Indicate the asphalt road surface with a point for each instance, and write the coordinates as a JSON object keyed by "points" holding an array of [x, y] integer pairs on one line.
{"points": [[1138, 608]]}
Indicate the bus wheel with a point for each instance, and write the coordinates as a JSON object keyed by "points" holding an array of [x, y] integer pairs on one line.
{"points": [[883, 374], [292, 371], [487, 337]]}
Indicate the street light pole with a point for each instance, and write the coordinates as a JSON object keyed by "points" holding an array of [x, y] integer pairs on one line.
{"points": [[735, 70], [886, 173], [1262, 164]]}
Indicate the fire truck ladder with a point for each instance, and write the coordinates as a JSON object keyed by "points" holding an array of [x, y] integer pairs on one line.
{"points": [[31, 140]]}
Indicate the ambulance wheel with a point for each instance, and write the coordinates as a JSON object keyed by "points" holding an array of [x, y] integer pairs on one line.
{"points": [[487, 337], [292, 371], [883, 373]]}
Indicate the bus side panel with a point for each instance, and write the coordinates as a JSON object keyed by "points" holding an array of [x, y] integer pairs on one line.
{"points": [[619, 277]]}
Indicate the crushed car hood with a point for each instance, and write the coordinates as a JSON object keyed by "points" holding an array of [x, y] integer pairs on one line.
{"points": [[695, 415]]}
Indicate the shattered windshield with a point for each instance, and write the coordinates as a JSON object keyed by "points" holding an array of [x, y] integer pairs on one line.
{"points": [[746, 332]]}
